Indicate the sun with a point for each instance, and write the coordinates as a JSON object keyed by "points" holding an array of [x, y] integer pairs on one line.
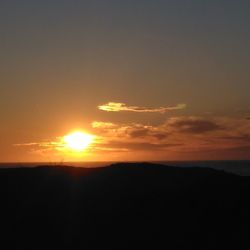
{"points": [[78, 141]]}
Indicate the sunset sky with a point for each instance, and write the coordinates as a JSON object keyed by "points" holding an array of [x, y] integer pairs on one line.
{"points": [[142, 79]]}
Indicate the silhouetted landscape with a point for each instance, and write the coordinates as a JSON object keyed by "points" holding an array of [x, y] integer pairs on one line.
{"points": [[125, 125], [124, 206]]}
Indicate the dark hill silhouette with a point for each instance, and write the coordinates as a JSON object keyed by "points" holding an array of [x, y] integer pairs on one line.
{"points": [[123, 206]]}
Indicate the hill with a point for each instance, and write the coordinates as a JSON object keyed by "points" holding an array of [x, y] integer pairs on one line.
{"points": [[123, 206]]}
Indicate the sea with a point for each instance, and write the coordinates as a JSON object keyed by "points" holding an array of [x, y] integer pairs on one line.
{"points": [[239, 167]]}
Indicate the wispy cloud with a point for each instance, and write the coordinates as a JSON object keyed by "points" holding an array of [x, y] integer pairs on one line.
{"points": [[27, 144], [183, 136], [137, 146], [44, 144], [187, 134], [118, 106], [55, 146], [105, 125]]}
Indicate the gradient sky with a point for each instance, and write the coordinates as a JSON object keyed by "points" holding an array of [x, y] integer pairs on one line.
{"points": [[61, 60]]}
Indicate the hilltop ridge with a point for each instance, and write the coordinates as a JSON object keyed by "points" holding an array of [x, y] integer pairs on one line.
{"points": [[123, 206]]}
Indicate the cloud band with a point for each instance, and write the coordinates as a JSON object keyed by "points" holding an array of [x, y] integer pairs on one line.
{"points": [[118, 106]]}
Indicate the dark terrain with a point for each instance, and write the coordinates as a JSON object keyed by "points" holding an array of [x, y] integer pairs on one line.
{"points": [[123, 206]]}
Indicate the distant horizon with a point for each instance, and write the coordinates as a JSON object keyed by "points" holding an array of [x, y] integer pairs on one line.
{"points": [[238, 167], [145, 161]]}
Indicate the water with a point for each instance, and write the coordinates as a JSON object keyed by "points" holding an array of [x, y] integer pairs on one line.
{"points": [[236, 167]]}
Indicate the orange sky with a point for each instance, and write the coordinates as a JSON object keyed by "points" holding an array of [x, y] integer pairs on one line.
{"points": [[151, 80], [175, 138]]}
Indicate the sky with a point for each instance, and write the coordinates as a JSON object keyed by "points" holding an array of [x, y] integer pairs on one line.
{"points": [[149, 79]]}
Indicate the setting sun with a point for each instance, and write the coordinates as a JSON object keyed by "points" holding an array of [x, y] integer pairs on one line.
{"points": [[78, 141]]}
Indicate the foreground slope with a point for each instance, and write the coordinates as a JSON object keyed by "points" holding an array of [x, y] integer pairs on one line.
{"points": [[123, 206]]}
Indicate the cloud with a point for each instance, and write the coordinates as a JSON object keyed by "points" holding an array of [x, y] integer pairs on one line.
{"points": [[243, 138], [57, 145], [147, 131], [103, 125], [117, 107], [189, 135], [136, 146], [129, 131], [194, 125], [139, 132], [185, 136], [27, 144]]}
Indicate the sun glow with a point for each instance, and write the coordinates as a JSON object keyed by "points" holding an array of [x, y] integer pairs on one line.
{"points": [[78, 141]]}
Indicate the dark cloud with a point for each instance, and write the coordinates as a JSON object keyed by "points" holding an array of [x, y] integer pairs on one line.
{"points": [[242, 149], [147, 131], [159, 135], [141, 132], [204, 136], [243, 138], [193, 125]]}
